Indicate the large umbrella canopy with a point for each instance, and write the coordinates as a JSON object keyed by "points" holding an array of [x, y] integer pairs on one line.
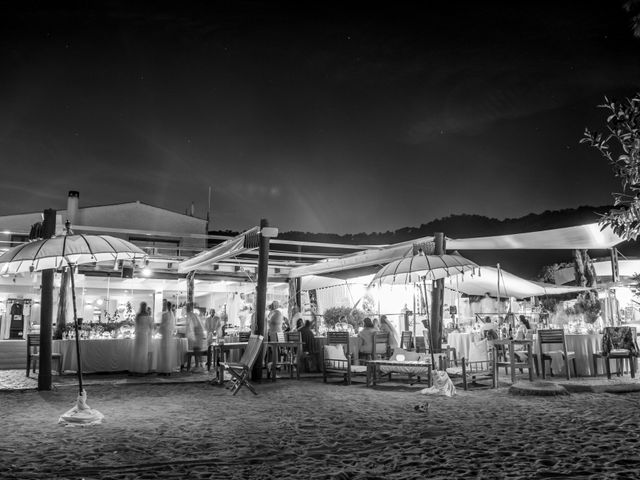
{"points": [[67, 250], [418, 267], [70, 250]]}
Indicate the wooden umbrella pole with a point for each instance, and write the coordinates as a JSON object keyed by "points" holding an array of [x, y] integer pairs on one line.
{"points": [[433, 358], [75, 326]]}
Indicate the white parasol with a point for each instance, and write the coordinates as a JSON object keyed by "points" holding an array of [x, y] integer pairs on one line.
{"points": [[422, 267], [70, 250]]}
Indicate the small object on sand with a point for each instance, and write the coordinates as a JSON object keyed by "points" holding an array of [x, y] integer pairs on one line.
{"points": [[81, 414], [422, 407]]}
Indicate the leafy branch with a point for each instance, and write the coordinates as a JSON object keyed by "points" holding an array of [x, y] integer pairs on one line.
{"points": [[620, 146]]}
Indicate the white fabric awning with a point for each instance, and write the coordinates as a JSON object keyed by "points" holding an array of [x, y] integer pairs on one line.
{"points": [[312, 282], [378, 256], [231, 248], [485, 280]]}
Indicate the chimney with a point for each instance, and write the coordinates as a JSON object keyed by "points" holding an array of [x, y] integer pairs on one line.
{"points": [[72, 207]]}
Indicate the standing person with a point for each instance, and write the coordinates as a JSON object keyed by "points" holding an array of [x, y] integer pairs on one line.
{"points": [[142, 344], [167, 352], [274, 325], [366, 338], [195, 336], [213, 326], [386, 327]]}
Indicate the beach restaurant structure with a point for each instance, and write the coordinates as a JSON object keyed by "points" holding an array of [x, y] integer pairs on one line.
{"points": [[316, 275]]}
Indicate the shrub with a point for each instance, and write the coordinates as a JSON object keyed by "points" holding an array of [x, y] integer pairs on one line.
{"points": [[354, 316]]}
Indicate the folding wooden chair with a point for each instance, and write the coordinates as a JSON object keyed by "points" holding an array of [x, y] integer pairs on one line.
{"points": [[241, 370]]}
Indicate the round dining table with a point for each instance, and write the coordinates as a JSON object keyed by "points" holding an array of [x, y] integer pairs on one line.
{"points": [[584, 346], [468, 345]]}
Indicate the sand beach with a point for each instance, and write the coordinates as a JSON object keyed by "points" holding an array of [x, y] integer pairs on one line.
{"points": [[308, 429]]}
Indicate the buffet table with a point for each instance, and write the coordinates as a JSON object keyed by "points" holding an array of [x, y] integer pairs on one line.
{"points": [[111, 354]]}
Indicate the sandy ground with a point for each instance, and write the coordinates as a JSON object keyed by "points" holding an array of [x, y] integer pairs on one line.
{"points": [[308, 429]]}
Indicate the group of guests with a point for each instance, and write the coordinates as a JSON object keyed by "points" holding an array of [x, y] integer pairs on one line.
{"points": [[522, 331], [277, 323], [198, 334], [371, 327]]}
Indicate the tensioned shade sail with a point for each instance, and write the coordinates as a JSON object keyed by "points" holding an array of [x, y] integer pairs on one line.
{"points": [[590, 236], [485, 280], [412, 269], [73, 249]]}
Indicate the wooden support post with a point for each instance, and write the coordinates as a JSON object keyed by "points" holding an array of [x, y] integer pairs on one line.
{"points": [[261, 295], [46, 309], [437, 299]]}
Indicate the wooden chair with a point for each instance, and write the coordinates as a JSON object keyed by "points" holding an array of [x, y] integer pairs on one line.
{"points": [[555, 336], [337, 358], [33, 353], [512, 354], [420, 345], [298, 355], [381, 348], [406, 340], [241, 370], [618, 343]]}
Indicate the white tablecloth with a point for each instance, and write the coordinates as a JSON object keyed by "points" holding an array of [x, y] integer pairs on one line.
{"points": [[584, 345], [468, 345], [110, 355]]}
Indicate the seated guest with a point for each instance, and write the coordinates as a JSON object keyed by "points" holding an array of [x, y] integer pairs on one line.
{"points": [[366, 338], [308, 346], [523, 330], [307, 336]]}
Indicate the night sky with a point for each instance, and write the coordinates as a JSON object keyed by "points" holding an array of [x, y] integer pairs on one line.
{"points": [[319, 116]]}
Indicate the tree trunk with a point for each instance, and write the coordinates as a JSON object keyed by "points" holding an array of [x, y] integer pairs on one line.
{"points": [[190, 287], [578, 265]]}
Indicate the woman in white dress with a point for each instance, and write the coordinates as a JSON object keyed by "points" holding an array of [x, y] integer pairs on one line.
{"points": [[167, 352], [142, 344]]}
